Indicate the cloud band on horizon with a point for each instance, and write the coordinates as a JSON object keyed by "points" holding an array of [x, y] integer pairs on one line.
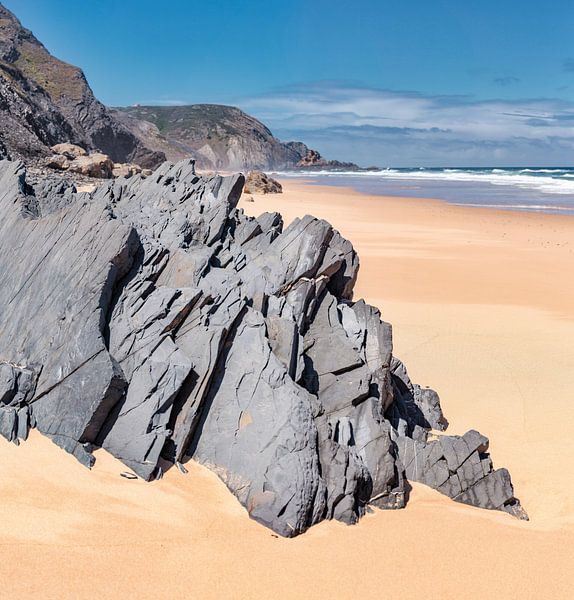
{"points": [[394, 128]]}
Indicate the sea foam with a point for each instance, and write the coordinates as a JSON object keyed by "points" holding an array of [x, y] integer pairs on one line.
{"points": [[516, 188], [549, 181]]}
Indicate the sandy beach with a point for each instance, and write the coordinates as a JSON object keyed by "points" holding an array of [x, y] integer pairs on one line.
{"points": [[482, 307]]}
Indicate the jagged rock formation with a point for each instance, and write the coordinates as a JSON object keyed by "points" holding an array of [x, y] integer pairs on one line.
{"points": [[258, 182], [154, 318], [44, 101], [312, 160]]}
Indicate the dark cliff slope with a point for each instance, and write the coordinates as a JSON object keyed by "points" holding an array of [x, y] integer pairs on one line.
{"points": [[44, 101], [216, 136]]}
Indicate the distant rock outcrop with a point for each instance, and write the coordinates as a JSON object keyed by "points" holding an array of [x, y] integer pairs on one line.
{"points": [[258, 182], [155, 319], [312, 160], [44, 101]]}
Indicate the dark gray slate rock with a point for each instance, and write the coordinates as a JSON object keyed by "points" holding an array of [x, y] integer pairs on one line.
{"points": [[157, 320], [16, 387], [258, 433]]}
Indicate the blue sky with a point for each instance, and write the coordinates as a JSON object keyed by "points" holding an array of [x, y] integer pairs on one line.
{"points": [[378, 82]]}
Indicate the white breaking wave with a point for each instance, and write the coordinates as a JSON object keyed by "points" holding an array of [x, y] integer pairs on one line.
{"points": [[562, 183], [557, 171], [534, 207]]}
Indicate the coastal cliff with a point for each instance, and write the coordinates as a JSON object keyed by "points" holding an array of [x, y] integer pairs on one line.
{"points": [[216, 136], [219, 137], [45, 101]]}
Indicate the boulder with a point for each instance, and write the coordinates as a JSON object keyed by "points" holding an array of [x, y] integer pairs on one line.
{"points": [[258, 182], [95, 165], [58, 162], [70, 151], [155, 319], [126, 170]]}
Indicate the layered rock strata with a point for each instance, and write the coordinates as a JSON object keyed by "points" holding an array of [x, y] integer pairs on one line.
{"points": [[153, 318]]}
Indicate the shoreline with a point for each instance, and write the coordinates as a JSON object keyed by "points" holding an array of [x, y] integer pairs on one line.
{"points": [[482, 311], [538, 195], [548, 239], [299, 183]]}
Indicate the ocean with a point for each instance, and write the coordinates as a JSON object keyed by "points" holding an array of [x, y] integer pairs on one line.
{"points": [[549, 190]]}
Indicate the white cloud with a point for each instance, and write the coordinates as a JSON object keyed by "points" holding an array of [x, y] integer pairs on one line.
{"points": [[427, 129]]}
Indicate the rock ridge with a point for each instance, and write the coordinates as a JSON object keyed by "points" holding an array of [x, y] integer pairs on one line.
{"points": [[155, 319]]}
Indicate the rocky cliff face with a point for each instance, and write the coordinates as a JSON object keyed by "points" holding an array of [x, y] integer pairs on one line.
{"points": [[216, 136], [220, 137], [155, 319], [44, 101]]}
